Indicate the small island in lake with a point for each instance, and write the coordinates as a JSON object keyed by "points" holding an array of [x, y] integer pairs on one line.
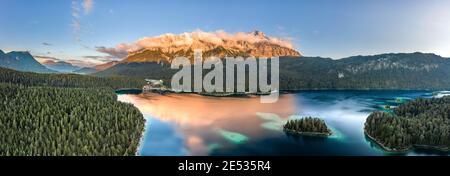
{"points": [[307, 126], [422, 123]]}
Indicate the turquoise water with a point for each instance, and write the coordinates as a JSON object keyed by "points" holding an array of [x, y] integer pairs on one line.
{"points": [[194, 125]]}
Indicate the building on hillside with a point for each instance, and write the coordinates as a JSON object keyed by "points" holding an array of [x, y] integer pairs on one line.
{"points": [[154, 85]]}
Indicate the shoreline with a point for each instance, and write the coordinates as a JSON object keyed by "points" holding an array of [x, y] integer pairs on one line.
{"points": [[313, 134], [141, 140], [387, 149], [413, 147], [247, 94]]}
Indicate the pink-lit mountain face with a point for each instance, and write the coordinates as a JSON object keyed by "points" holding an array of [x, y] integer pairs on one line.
{"points": [[217, 44]]}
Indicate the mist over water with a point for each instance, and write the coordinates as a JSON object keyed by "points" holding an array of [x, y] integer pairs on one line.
{"points": [[190, 124]]}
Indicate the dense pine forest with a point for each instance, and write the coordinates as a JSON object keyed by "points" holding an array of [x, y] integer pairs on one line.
{"points": [[64, 114], [67, 80], [419, 123], [308, 125]]}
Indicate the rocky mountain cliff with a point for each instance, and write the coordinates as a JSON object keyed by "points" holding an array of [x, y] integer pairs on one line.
{"points": [[169, 46]]}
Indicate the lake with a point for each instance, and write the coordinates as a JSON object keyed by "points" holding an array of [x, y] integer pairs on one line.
{"points": [[190, 124]]}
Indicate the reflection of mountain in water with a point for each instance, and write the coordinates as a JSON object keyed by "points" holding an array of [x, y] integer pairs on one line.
{"points": [[206, 120], [188, 124]]}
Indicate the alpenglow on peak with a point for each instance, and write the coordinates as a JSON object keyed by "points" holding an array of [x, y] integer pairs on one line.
{"points": [[218, 44]]}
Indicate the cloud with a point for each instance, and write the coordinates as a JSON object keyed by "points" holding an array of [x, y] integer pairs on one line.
{"points": [[42, 58], [85, 62], [46, 44], [45, 59], [76, 7], [88, 5], [239, 40], [219, 37], [119, 52], [93, 57], [76, 20], [102, 58]]}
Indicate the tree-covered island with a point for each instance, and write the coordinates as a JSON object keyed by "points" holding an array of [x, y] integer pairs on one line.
{"points": [[307, 126]]}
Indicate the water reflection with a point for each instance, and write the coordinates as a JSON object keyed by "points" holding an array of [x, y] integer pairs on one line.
{"points": [[204, 123], [189, 124]]}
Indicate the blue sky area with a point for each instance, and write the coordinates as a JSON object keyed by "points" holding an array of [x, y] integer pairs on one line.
{"points": [[71, 29]]}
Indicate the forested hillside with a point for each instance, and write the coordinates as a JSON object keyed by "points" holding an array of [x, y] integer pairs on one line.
{"points": [[66, 121], [420, 123], [67, 80], [416, 71], [66, 114]]}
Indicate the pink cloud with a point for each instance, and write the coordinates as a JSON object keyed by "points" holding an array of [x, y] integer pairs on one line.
{"points": [[88, 5]]}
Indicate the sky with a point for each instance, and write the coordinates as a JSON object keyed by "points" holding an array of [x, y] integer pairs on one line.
{"points": [[72, 30]]}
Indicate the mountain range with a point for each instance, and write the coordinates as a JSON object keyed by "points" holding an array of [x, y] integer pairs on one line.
{"points": [[22, 61], [97, 68], [60, 66], [418, 71], [168, 46]]}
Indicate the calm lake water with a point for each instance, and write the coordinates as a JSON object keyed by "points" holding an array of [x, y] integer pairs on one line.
{"points": [[189, 124]]}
